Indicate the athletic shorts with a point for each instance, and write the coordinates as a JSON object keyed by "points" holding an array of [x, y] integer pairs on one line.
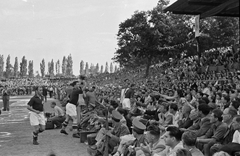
{"points": [[37, 119], [126, 104], [71, 110]]}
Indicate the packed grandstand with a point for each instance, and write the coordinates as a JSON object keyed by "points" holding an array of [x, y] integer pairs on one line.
{"points": [[178, 93]]}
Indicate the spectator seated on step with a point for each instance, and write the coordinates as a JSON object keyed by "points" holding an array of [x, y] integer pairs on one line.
{"points": [[58, 117]]}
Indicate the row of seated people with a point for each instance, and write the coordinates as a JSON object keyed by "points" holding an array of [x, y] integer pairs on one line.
{"points": [[210, 132], [187, 116], [184, 113]]}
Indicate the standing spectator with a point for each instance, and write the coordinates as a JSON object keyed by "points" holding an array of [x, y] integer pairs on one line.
{"points": [[124, 87], [91, 99], [81, 104], [5, 98], [58, 93], [50, 91], [129, 93], [45, 93]]}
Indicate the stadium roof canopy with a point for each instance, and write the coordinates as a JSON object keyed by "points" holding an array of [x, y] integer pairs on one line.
{"points": [[205, 8]]}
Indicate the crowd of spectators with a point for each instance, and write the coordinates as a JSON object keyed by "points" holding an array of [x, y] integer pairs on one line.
{"points": [[184, 107], [178, 110], [21, 86]]}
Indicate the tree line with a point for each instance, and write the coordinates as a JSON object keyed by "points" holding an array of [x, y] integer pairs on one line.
{"points": [[25, 69], [85, 69], [150, 37]]}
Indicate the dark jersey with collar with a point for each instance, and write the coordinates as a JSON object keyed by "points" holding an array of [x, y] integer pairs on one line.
{"points": [[75, 95], [36, 103], [129, 93], [6, 92]]}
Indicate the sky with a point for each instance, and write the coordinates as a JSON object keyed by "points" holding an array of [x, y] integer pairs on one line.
{"points": [[51, 29]]}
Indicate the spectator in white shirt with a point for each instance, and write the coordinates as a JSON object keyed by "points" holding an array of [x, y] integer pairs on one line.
{"points": [[233, 147], [236, 126], [172, 139], [59, 115], [206, 90]]}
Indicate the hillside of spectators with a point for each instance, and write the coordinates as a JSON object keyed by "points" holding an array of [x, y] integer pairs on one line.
{"points": [[177, 93]]}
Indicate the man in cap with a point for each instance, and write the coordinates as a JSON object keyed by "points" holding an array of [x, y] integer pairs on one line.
{"points": [[5, 98], [37, 119], [138, 129], [114, 135]]}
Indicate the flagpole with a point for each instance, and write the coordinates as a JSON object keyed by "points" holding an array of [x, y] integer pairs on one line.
{"points": [[198, 49], [197, 35]]}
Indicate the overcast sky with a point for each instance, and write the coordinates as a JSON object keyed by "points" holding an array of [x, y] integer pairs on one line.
{"points": [[51, 29]]}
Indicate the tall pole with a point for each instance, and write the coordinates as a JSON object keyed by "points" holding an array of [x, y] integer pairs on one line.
{"points": [[197, 35], [198, 50]]}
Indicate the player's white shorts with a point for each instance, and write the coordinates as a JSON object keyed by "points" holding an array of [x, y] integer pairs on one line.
{"points": [[126, 104], [71, 110], [37, 119]]}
